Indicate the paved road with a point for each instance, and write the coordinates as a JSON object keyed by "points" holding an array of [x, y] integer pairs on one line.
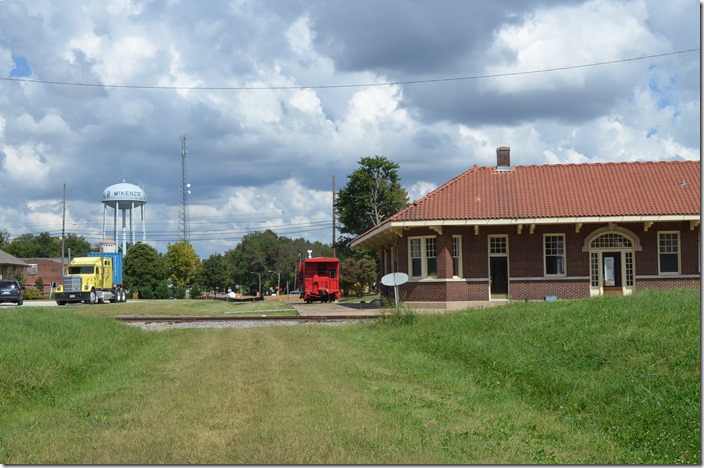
{"points": [[31, 303]]}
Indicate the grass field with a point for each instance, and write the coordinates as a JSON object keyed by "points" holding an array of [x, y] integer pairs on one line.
{"points": [[181, 307], [613, 380]]}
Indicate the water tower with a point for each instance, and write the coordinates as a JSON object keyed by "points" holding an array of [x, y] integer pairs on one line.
{"points": [[124, 197]]}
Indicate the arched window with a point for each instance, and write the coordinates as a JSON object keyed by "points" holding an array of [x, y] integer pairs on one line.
{"points": [[611, 240]]}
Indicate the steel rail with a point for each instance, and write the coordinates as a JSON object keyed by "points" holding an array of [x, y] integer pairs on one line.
{"points": [[263, 318]]}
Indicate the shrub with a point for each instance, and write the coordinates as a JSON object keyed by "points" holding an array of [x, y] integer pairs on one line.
{"points": [[146, 293], [196, 292], [33, 294], [179, 292], [162, 291]]}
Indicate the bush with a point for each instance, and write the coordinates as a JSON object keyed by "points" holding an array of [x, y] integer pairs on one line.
{"points": [[179, 292], [196, 292], [162, 291], [32, 294], [146, 293]]}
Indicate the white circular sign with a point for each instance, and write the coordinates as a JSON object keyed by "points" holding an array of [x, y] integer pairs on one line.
{"points": [[394, 279]]}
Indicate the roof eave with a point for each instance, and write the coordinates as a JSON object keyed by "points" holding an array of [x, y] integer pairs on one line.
{"points": [[383, 234]]}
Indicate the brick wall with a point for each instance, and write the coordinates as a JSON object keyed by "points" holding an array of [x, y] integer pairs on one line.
{"points": [[526, 262], [47, 269]]}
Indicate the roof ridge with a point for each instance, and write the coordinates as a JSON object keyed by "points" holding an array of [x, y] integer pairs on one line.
{"points": [[604, 163]]}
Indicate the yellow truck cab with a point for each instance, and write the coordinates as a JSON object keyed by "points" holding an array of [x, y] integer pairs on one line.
{"points": [[97, 277]]}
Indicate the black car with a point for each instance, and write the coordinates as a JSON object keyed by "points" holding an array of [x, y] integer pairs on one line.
{"points": [[10, 291]]}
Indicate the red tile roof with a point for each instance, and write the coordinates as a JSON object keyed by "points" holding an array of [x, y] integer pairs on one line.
{"points": [[563, 190]]}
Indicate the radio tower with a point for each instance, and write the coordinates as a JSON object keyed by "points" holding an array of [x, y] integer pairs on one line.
{"points": [[183, 234]]}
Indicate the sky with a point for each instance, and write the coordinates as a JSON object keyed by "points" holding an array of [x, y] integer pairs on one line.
{"points": [[280, 99]]}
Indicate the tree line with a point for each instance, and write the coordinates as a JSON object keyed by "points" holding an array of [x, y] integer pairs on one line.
{"points": [[373, 193]]}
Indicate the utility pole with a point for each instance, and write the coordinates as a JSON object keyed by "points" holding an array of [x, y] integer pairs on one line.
{"points": [[333, 216], [63, 232]]}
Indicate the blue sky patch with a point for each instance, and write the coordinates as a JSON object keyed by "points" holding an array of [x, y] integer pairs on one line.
{"points": [[21, 67]]}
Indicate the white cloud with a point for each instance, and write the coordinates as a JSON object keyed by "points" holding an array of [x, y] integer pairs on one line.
{"points": [[266, 157], [25, 165], [567, 35]]}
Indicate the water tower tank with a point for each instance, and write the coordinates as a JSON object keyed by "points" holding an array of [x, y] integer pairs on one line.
{"points": [[124, 197]]}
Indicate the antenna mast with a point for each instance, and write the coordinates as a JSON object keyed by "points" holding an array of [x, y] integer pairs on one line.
{"points": [[184, 228]]}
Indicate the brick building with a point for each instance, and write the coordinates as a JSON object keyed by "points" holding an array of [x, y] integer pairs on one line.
{"points": [[529, 232], [48, 269]]}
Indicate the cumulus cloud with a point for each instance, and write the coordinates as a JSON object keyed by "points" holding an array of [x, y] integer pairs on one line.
{"points": [[263, 96]]}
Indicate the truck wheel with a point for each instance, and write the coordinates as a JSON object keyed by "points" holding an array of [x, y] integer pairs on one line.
{"points": [[124, 295], [93, 298], [60, 303]]}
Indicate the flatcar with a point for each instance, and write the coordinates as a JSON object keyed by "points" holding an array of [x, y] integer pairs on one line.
{"points": [[319, 279]]}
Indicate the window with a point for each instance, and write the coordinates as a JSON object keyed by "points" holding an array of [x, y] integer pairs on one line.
{"points": [[423, 256], [32, 270], [498, 245], [594, 262], [669, 252], [554, 249], [457, 256]]}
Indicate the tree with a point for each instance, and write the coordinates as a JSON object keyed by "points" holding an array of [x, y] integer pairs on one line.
{"points": [[214, 272], [45, 246], [4, 238], [356, 274], [372, 194], [143, 268], [181, 263], [257, 252]]}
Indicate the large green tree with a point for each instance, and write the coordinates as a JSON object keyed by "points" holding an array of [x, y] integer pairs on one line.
{"points": [[214, 272], [372, 194], [44, 245], [181, 263], [143, 268], [255, 255]]}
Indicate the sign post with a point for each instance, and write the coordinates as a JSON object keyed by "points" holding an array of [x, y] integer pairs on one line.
{"points": [[395, 280]]}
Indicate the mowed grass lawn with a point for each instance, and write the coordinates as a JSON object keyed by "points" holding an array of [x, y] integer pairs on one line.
{"points": [[613, 380]]}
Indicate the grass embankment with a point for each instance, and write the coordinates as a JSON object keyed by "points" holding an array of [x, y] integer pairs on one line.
{"points": [[182, 307], [607, 380]]}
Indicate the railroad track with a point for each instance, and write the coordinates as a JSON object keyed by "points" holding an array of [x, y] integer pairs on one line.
{"points": [[230, 318]]}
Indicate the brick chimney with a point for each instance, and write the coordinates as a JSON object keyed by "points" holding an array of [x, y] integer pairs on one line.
{"points": [[503, 158]]}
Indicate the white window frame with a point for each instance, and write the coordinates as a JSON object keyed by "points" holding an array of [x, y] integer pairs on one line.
{"points": [[563, 255], [678, 245], [423, 257], [457, 257]]}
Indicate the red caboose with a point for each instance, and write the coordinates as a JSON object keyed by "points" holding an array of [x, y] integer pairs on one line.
{"points": [[319, 279]]}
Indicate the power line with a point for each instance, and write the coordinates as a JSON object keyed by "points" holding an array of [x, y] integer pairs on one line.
{"points": [[352, 85]]}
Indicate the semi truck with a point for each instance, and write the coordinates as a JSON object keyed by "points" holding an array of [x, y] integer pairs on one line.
{"points": [[94, 278]]}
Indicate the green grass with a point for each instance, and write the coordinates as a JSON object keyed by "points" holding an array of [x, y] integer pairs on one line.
{"points": [[604, 380], [181, 307]]}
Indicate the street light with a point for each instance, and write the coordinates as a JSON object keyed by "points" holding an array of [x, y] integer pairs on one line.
{"points": [[260, 281], [278, 281]]}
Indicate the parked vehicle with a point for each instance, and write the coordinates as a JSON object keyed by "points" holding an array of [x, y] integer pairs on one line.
{"points": [[97, 277], [319, 279], [11, 291]]}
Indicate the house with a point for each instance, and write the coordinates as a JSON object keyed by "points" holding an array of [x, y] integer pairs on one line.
{"points": [[11, 267], [48, 269], [532, 232]]}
